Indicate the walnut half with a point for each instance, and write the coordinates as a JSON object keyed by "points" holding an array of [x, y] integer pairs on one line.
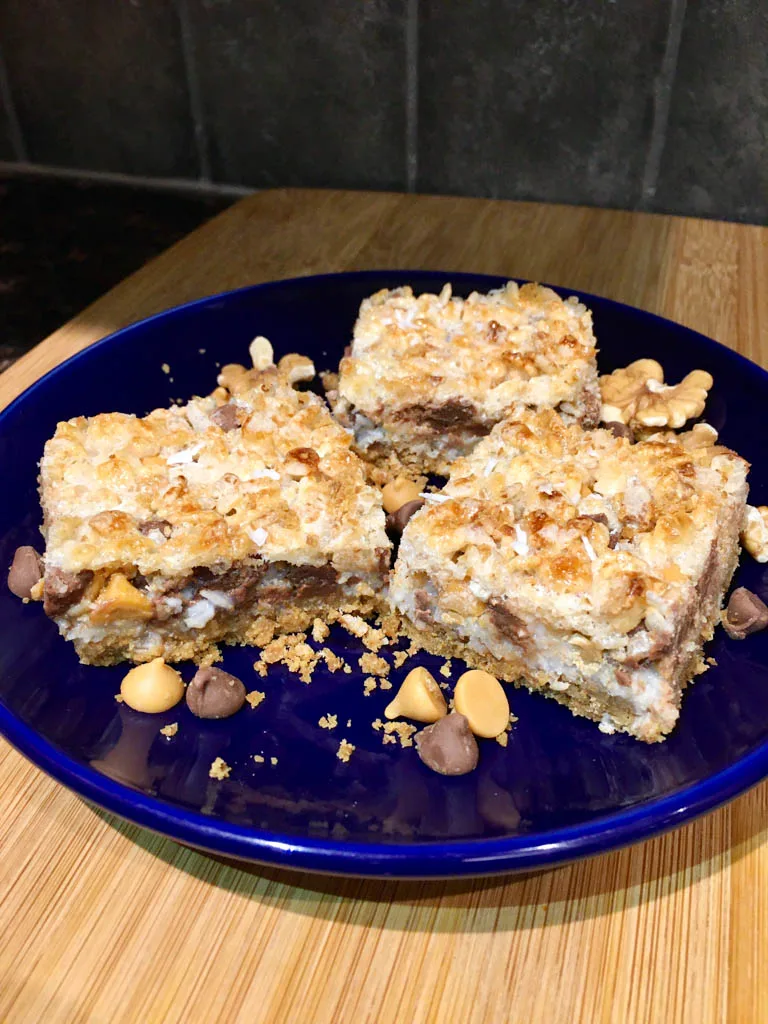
{"points": [[754, 533], [637, 395]]}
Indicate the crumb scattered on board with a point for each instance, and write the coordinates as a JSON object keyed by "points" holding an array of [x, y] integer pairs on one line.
{"points": [[258, 758], [345, 751], [445, 668], [328, 722], [255, 697], [373, 665], [273, 760], [297, 656], [219, 769], [170, 730], [394, 731], [369, 685]]}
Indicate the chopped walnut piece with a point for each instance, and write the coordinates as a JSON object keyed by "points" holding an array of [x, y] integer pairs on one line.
{"points": [[637, 395], [754, 534]]}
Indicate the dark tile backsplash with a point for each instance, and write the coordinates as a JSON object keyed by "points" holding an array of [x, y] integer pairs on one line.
{"points": [[303, 93], [100, 84], [715, 160], [534, 99], [652, 104]]}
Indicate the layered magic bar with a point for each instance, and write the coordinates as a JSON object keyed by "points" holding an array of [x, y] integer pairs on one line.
{"points": [[227, 519], [577, 564], [427, 376]]}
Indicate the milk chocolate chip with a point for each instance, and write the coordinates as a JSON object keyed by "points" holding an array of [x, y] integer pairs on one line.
{"points": [[25, 571], [214, 693], [745, 614], [226, 417], [448, 747], [620, 430], [398, 520]]}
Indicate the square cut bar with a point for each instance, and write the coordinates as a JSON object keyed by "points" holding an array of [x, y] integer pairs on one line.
{"points": [[427, 376], [574, 563], [236, 516]]}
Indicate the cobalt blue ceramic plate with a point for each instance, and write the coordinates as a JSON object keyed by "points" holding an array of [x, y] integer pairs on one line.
{"points": [[560, 790]]}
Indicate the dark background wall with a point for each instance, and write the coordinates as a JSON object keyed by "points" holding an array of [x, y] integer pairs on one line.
{"points": [[642, 104]]}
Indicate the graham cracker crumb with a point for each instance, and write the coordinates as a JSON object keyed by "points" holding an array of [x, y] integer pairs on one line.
{"points": [[445, 668], [347, 669], [413, 648], [354, 625], [170, 730], [261, 631], [345, 751], [219, 769], [349, 723], [119, 698], [320, 631], [502, 739], [400, 658], [373, 664], [711, 661], [294, 652], [328, 722], [258, 758], [273, 760], [391, 625], [369, 685], [377, 724], [384, 684], [255, 697], [443, 686], [375, 639], [260, 667], [165, 368], [394, 731], [333, 661]]}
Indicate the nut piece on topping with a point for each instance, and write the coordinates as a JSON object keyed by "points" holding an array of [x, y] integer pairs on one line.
{"points": [[754, 534], [448, 747], [637, 395], [26, 570], [745, 614], [261, 352], [399, 492], [121, 600], [214, 693], [152, 688], [480, 697], [419, 698], [296, 368], [398, 520]]}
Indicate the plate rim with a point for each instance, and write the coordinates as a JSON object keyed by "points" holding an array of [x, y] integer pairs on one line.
{"points": [[420, 859]]}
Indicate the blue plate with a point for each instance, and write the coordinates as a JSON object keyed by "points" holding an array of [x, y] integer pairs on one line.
{"points": [[560, 790]]}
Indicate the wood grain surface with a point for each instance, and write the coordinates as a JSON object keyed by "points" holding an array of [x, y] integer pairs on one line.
{"points": [[102, 921]]}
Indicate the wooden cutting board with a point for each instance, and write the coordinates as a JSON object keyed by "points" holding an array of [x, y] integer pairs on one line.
{"points": [[102, 921]]}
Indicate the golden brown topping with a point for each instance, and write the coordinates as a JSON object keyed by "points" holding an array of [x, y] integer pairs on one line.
{"points": [[398, 492], [754, 535], [419, 698], [121, 600], [637, 394], [152, 688], [480, 697]]}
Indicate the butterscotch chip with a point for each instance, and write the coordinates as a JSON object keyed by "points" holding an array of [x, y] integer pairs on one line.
{"points": [[480, 697], [419, 698], [448, 747], [398, 492], [152, 687]]}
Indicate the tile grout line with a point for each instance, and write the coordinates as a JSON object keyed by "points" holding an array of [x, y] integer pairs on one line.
{"points": [[25, 169], [194, 93], [18, 144], [411, 94], [661, 103]]}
